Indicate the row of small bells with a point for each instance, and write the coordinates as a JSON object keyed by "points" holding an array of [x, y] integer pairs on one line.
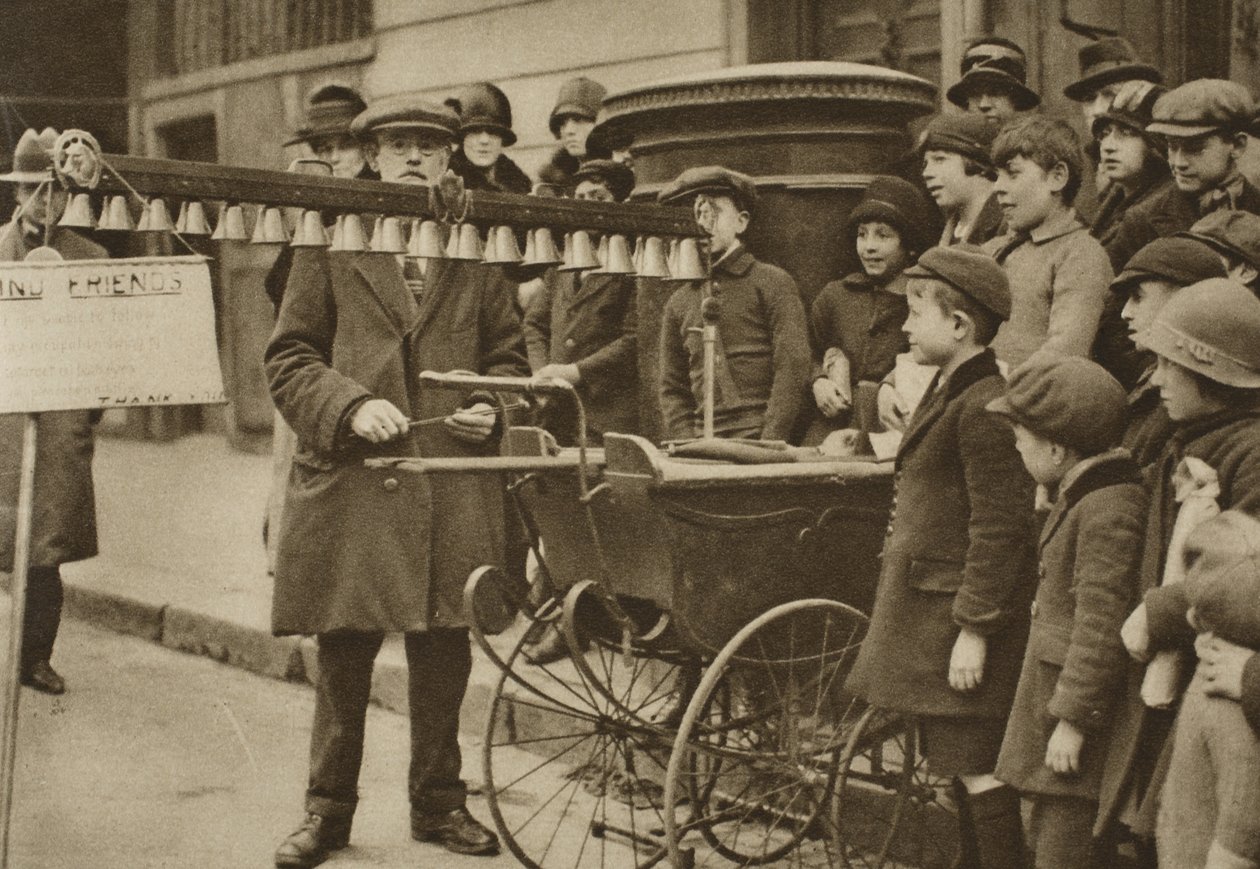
{"points": [[652, 257]]}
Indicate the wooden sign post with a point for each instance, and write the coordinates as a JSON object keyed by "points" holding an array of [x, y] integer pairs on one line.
{"points": [[91, 335]]}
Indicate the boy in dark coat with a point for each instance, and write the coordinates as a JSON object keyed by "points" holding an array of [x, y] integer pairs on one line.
{"points": [[1207, 340], [1068, 413], [958, 174], [763, 361], [1151, 278], [1203, 123], [950, 619]]}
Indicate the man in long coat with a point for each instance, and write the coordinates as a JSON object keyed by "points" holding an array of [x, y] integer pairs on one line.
{"points": [[364, 551], [64, 527]]}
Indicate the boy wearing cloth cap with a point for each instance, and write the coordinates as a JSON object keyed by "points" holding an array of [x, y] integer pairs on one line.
{"points": [[1207, 340], [951, 610], [1151, 278], [1203, 123], [763, 360], [856, 322], [1058, 272], [994, 81], [1068, 414], [364, 551], [1235, 236], [958, 174], [1208, 814], [485, 129]]}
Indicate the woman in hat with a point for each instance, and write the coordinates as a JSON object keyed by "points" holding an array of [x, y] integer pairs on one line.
{"points": [[485, 129], [1131, 163], [855, 322], [571, 122], [994, 81], [326, 131]]}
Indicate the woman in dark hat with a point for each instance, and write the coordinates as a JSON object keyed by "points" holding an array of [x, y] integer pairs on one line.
{"points": [[994, 80], [326, 131], [1131, 162], [855, 322], [485, 129], [571, 122]]}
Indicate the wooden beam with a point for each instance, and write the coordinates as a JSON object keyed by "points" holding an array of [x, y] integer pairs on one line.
{"points": [[181, 179]]}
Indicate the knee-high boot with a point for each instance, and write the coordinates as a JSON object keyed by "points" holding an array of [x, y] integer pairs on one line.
{"points": [[997, 828]]}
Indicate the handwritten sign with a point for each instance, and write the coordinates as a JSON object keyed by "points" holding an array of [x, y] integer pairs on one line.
{"points": [[87, 334]]}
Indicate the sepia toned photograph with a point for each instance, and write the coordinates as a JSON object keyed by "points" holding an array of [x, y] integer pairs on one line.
{"points": [[614, 434]]}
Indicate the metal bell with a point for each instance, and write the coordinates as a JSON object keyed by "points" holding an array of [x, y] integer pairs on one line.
{"points": [[467, 243], [387, 236], [115, 217], [616, 258], [78, 212], [653, 264], [192, 219], [426, 240], [579, 253], [348, 233], [155, 217], [310, 230], [501, 247], [269, 227], [231, 226], [689, 266], [545, 251]]}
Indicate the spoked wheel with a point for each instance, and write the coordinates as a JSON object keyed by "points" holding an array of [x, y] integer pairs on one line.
{"points": [[888, 811], [756, 757], [571, 780]]}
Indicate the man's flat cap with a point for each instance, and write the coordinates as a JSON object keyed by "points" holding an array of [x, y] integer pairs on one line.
{"points": [[711, 179], [1203, 106], [1177, 259], [1107, 61], [969, 270], [968, 134], [406, 112], [1236, 234], [617, 177], [1066, 399]]}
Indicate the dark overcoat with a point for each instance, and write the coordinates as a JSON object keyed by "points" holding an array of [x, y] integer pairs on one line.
{"points": [[1117, 203], [64, 520], [369, 549], [590, 323], [504, 176], [959, 553], [1075, 664], [1228, 442], [864, 320]]}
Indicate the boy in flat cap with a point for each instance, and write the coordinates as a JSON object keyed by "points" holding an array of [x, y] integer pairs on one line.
{"points": [[1208, 816], [64, 518], [1203, 123], [1068, 415], [1207, 342], [1107, 66], [994, 81], [1235, 236], [485, 129], [1151, 278], [951, 610], [763, 358], [365, 550], [571, 122], [958, 174], [1058, 272], [855, 322]]}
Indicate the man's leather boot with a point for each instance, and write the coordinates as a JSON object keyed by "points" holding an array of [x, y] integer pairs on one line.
{"points": [[312, 842], [456, 831]]}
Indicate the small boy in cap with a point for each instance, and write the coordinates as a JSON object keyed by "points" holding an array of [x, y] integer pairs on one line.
{"points": [[1107, 65], [1151, 278], [950, 618], [994, 81], [1068, 415], [958, 174], [1203, 123], [1058, 272], [1235, 236], [856, 322], [485, 129], [1207, 340], [763, 359], [571, 122], [1208, 815]]}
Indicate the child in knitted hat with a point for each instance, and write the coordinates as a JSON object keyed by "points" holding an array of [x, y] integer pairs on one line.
{"points": [[855, 322], [1068, 415], [1208, 814]]}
